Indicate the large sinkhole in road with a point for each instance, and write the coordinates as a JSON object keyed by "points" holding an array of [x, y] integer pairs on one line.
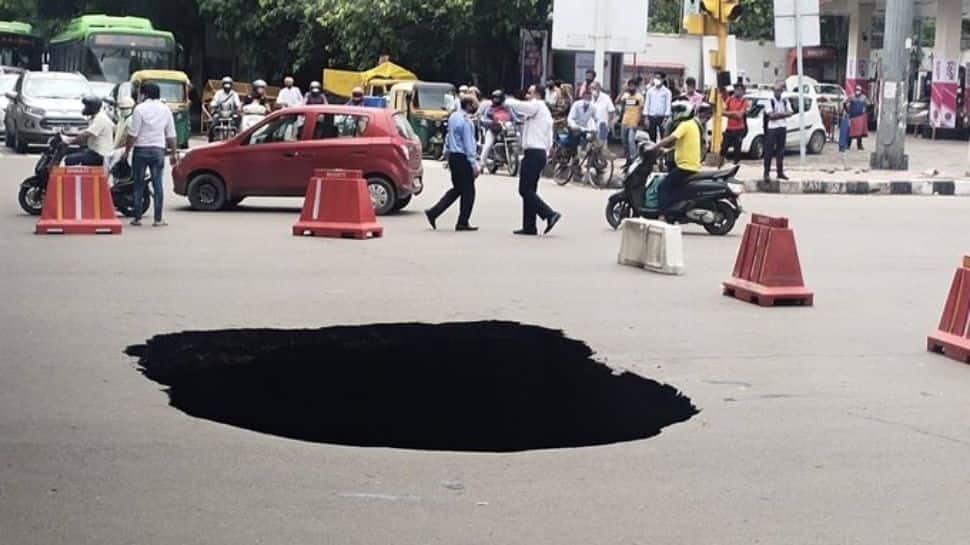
{"points": [[478, 386]]}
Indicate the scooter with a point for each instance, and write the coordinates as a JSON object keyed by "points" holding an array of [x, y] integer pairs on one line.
{"points": [[505, 151], [709, 198], [252, 113], [34, 189], [223, 123]]}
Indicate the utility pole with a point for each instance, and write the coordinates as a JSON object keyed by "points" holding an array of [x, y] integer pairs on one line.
{"points": [[890, 151]]}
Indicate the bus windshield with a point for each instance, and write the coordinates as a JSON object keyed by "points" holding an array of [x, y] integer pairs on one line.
{"points": [[116, 64]]}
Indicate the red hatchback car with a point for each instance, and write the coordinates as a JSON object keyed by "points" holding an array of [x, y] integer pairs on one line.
{"points": [[277, 156]]}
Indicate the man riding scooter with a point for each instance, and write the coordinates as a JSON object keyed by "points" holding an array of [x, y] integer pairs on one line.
{"points": [[225, 98], [688, 148], [98, 137], [494, 117]]}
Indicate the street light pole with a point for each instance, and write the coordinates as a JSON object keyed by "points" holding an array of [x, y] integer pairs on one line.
{"points": [[890, 151]]}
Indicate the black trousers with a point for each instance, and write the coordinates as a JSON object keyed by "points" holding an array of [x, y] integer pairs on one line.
{"points": [[463, 186], [672, 186], [732, 141], [775, 148], [532, 205], [86, 157], [655, 127]]}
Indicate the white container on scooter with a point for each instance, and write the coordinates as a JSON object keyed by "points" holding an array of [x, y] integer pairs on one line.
{"points": [[252, 114], [652, 245]]}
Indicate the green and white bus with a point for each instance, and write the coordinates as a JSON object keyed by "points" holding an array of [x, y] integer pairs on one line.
{"points": [[19, 46], [106, 48]]}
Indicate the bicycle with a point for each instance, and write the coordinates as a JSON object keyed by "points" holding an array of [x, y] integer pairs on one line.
{"points": [[589, 159]]}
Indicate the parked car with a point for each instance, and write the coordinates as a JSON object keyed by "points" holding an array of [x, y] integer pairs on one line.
{"points": [[7, 82], [41, 104], [277, 156], [754, 143]]}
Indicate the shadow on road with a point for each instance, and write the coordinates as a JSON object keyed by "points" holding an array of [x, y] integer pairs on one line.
{"points": [[477, 386]]}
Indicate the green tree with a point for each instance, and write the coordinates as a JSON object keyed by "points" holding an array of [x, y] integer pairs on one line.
{"points": [[666, 16], [755, 23]]}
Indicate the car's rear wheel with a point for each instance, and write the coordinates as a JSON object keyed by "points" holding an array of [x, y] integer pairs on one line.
{"points": [[207, 192], [817, 143], [382, 195]]}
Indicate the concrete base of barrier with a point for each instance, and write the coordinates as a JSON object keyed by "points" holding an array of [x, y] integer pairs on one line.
{"points": [[652, 245]]}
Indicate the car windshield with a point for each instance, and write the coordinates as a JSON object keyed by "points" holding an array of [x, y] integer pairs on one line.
{"points": [[56, 88], [7, 82], [172, 91]]}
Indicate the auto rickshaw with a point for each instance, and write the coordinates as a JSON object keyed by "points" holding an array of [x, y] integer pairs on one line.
{"points": [[175, 94], [427, 106]]}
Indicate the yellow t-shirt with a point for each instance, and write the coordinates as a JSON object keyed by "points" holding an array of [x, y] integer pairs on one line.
{"points": [[632, 110], [687, 151]]}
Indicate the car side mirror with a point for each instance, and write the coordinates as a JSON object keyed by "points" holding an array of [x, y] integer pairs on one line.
{"points": [[12, 95]]}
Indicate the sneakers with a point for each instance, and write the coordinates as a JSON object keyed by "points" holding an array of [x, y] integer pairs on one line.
{"points": [[161, 223], [466, 228], [431, 219], [136, 222]]}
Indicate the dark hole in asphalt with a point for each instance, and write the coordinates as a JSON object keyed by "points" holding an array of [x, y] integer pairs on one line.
{"points": [[476, 386]]}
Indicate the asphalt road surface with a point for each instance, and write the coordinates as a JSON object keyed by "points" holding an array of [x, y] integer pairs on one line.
{"points": [[819, 425]]}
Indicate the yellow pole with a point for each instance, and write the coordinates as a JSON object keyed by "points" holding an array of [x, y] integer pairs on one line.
{"points": [[720, 65]]}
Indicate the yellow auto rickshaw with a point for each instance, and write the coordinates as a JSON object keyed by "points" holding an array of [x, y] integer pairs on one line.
{"points": [[175, 87], [427, 106]]}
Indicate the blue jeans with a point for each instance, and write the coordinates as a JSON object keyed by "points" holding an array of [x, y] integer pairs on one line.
{"points": [[152, 159], [630, 143]]}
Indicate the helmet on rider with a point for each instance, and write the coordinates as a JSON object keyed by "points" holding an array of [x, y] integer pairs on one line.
{"points": [[227, 83], [357, 95], [92, 105], [681, 109], [704, 111], [259, 86], [315, 87], [498, 97], [125, 106]]}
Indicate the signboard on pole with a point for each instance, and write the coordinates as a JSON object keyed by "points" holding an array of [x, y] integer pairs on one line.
{"points": [[943, 98], [622, 25], [532, 56], [785, 16]]}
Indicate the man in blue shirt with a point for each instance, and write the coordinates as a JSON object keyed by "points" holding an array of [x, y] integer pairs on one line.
{"points": [[462, 151]]}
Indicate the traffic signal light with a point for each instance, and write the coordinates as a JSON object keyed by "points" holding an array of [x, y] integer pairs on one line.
{"points": [[724, 11]]}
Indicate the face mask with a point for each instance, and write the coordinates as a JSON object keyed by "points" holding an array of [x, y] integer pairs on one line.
{"points": [[657, 82], [288, 85], [227, 88], [314, 91]]}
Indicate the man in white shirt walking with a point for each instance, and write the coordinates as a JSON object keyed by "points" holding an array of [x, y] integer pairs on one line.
{"points": [[98, 137], [290, 95], [604, 111], [536, 141], [151, 131]]}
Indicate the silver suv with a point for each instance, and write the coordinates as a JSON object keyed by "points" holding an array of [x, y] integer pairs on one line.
{"points": [[41, 104]]}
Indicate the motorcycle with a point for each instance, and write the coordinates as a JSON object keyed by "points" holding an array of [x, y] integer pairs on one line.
{"points": [[251, 114], [506, 149], [34, 189], [223, 123], [709, 199]]}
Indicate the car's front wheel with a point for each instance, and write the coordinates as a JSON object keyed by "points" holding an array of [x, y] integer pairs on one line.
{"points": [[402, 202], [19, 143], [757, 150], [382, 195], [207, 192]]}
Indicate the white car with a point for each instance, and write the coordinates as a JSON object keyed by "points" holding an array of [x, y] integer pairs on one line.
{"points": [[754, 143]]}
